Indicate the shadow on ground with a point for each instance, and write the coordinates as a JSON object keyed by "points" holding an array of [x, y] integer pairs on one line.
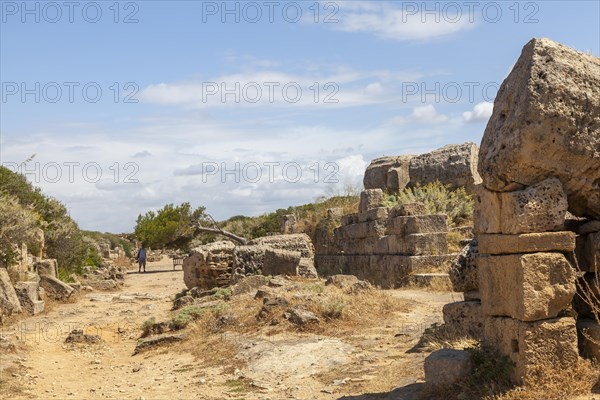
{"points": [[408, 392]]}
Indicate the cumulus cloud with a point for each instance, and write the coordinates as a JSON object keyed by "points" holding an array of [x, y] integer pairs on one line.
{"points": [[480, 113]]}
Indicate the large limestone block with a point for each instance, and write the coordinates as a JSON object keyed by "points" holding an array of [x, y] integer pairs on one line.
{"points": [[526, 243], [374, 214], [446, 367], [9, 302], [418, 244], [281, 262], [379, 175], [294, 242], [463, 271], [546, 122], [527, 287], [55, 288], [539, 208], [529, 344], [454, 165], [418, 224], [209, 265], [464, 318], [370, 198]]}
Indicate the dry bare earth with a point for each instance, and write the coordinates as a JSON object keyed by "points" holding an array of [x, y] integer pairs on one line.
{"points": [[371, 362]]}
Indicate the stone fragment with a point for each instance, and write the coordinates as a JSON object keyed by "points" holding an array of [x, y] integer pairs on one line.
{"points": [[370, 198], [463, 271], [446, 367], [300, 316], [55, 288], [46, 267], [29, 297]]}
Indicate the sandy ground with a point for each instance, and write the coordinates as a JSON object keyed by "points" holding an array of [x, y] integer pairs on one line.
{"points": [[373, 364]]}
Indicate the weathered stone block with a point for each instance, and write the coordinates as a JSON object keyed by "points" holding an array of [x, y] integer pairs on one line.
{"points": [[538, 208], [526, 243], [527, 287], [406, 225], [446, 367], [370, 198], [374, 214], [420, 244], [281, 262], [55, 288], [378, 175], [27, 292], [529, 344], [546, 122], [408, 209], [464, 318], [454, 165], [209, 265], [349, 219]]}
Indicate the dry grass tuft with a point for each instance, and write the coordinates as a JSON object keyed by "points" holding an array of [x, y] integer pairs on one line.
{"points": [[549, 383]]}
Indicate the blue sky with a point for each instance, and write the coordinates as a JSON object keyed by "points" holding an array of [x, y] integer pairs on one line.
{"points": [[392, 78]]}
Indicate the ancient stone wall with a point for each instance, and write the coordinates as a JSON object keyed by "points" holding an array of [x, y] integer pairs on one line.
{"points": [[454, 165], [540, 156], [382, 245]]}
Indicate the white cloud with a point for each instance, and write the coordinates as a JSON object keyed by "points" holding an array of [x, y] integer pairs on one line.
{"points": [[481, 112], [338, 88], [410, 21], [426, 114]]}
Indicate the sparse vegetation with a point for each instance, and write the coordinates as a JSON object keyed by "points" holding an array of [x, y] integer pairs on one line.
{"points": [[457, 204]]}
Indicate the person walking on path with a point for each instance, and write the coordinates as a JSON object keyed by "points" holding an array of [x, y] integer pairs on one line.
{"points": [[141, 258]]}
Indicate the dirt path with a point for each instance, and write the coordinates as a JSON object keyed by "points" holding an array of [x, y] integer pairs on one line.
{"points": [[366, 365]]}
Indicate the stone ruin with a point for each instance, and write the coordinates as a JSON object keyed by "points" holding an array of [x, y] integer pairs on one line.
{"points": [[391, 246], [453, 165], [224, 263], [382, 245], [539, 160]]}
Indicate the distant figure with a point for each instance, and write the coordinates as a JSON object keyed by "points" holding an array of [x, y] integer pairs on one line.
{"points": [[141, 258]]}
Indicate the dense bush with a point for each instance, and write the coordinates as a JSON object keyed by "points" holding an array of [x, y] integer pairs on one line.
{"points": [[64, 240], [171, 226]]}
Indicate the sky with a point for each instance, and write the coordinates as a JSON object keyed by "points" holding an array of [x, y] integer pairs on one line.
{"points": [[246, 107]]}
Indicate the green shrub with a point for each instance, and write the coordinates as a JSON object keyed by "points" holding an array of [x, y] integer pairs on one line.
{"points": [[222, 293], [185, 316], [17, 225], [457, 204]]}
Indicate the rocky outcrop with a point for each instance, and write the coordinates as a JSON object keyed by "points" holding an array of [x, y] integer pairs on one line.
{"points": [[546, 123], [453, 165]]}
